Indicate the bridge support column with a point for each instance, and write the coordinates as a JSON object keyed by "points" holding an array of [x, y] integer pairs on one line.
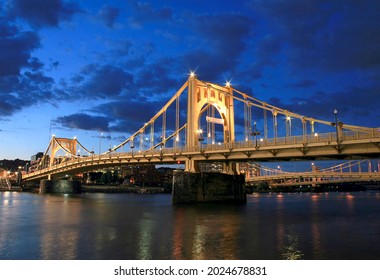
{"points": [[60, 186], [207, 187], [230, 168], [191, 166]]}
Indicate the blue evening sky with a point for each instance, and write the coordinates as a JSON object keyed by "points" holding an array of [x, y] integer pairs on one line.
{"points": [[81, 68]]}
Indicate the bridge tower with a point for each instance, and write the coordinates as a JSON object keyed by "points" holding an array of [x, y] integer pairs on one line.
{"points": [[68, 145], [200, 95]]}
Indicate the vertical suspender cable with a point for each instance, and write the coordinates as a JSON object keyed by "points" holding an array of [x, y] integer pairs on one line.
{"points": [[176, 138], [163, 127], [142, 140], [274, 113], [249, 109], [208, 124], [245, 119], [265, 123], [152, 134], [213, 125]]}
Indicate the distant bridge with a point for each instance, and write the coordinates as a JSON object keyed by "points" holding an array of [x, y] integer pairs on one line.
{"points": [[350, 171]]}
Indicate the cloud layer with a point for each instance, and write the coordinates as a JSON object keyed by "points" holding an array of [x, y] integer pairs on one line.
{"points": [[305, 56]]}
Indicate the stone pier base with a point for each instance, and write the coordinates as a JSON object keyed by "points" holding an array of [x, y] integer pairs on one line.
{"points": [[60, 186], [207, 187]]}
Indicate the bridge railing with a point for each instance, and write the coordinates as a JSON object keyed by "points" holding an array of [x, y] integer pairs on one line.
{"points": [[328, 138]]}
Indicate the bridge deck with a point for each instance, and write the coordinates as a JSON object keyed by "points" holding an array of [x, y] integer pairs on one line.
{"points": [[309, 147]]}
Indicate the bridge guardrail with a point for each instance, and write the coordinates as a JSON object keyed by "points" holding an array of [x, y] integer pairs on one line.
{"points": [[330, 138]]}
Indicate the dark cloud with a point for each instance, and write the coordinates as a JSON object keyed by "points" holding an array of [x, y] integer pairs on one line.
{"points": [[144, 12], [8, 105], [84, 122], [220, 41], [136, 76], [263, 54], [224, 33], [18, 92], [355, 105], [104, 81], [124, 115], [123, 48], [155, 78], [41, 13], [302, 84], [108, 15], [22, 82], [325, 35], [15, 50], [128, 115]]}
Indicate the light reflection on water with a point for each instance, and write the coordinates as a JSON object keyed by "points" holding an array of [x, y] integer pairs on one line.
{"points": [[129, 226]]}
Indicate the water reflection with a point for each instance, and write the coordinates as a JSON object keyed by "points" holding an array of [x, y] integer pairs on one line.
{"points": [[206, 232], [145, 238], [178, 235], [62, 237], [287, 238], [199, 246], [315, 224], [290, 249], [124, 226]]}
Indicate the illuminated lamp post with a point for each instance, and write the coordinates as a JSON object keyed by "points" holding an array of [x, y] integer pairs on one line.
{"points": [[100, 142], [255, 133], [336, 125], [132, 147], [199, 133]]}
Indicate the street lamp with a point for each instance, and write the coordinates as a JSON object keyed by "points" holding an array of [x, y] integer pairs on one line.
{"points": [[200, 137], [100, 142], [288, 126], [336, 125], [255, 133], [132, 147]]}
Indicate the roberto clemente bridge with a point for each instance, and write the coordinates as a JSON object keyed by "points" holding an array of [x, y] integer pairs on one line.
{"points": [[203, 130]]}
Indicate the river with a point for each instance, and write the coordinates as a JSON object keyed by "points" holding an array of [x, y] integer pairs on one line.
{"points": [[270, 226]]}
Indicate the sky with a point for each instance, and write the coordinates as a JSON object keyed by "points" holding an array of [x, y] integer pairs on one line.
{"points": [[82, 68]]}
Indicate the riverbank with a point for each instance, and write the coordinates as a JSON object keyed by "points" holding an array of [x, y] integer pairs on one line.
{"points": [[121, 189], [12, 189]]}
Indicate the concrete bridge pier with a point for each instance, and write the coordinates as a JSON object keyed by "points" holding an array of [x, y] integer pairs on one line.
{"points": [[60, 186], [231, 168], [191, 166], [207, 187]]}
